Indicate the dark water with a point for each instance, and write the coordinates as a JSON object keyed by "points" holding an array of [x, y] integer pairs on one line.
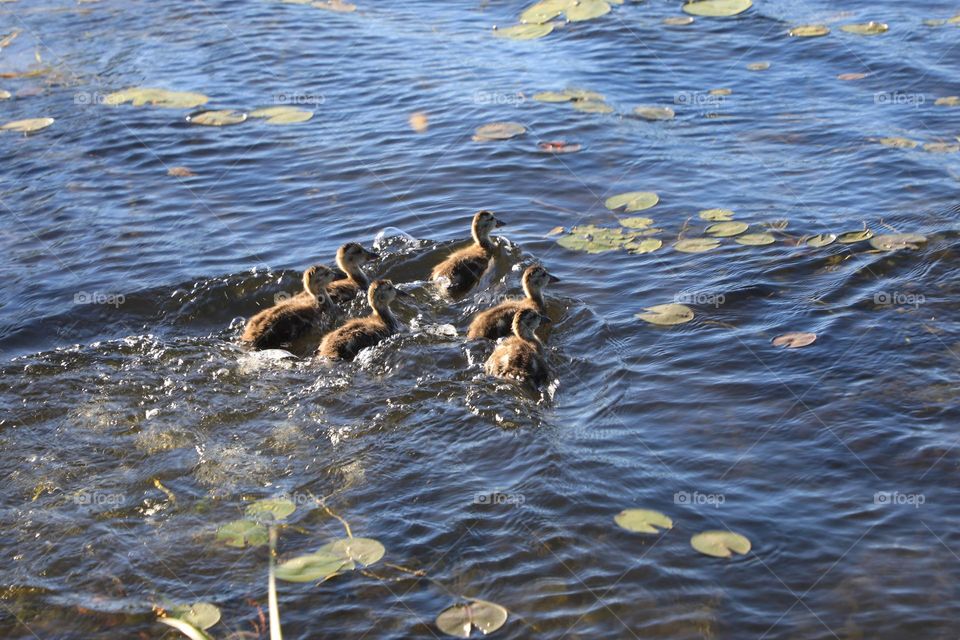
{"points": [[787, 447]]}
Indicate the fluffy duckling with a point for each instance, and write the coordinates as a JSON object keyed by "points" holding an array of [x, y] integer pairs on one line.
{"points": [[521, 355], [464, 268], [357, 334], [350, 257], [497, 322], [294, 318]]}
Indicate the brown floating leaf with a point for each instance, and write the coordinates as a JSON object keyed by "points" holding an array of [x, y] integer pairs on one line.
{"points": [[794, 340], [335, 5], [654, 113], [848, 77], [419, 121], [758, 66], [810, 31], [898, 143], [28, 126], [180, 172], [559, 146], [947, 101]]}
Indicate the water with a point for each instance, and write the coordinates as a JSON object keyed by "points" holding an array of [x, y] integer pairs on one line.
{"points": [[706, 421]]}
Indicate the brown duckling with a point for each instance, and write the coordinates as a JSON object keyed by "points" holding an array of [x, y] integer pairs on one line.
{"points": [[350, 257], [521, 355], [464, 268], [297, 317], [497, 322], [357, 334]]}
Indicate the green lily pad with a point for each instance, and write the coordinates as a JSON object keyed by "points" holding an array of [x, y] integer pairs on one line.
{"points": [[716, 215], [643, 520], [632, 201], [667, 315], [720, 544], [460, 619], [221, 118], [636, 222], [270, 510], [594, 239], [544, 11], [242, 533], [586, 10], [696, 245], [498, 131], [283, 115], [716, 8], [28, 126], [313, 567], [897, 241], [654, 113], [810, 31], [366, 551], [755, 239], [899, 143], [584, 94], [821, 240], [678, 21], [727, 229], [592, 106], [524, 31], [140, 96], [866, 28], [201, 615], [851, 237], [647, 245], [552, 96]]}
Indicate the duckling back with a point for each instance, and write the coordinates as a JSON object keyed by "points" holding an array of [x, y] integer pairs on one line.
{"points": [[518, 359], [353, 337], [286, 322]]}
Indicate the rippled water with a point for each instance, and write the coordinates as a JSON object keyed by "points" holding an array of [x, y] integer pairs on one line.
{"points": [[706, 422]]}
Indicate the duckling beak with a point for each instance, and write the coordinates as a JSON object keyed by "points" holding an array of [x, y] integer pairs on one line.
{"points": [[552, 278], [499, 223], [370, 255]]}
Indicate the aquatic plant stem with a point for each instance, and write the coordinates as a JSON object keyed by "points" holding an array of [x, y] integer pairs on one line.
{"points": [[275, 632]]}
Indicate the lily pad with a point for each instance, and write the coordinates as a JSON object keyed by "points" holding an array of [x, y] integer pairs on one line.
{"points": [[543, 11], [716, 8], [850, 77], [667, 315], [696, 245], [592, 106], [270, 510], [643, 520], [941, 147], [851, 237], [201, 615], [636, 222], [283, 115], [758, 66], [498, 131], [559, 146], [524, 31], [948, 101], [242, 533], [460, 619], [593, 239], [897, 241], [720, 92], [140, 96], [794, 339], [654, 113], [899, 143], [727, 229], [313, 567], [584, 94], [365, 551], [866, 28], [755, 239], [647, 245], [552, 96], [821, 240], [810, 31], [221, 118], [586, 10], [716, 215], [678, 21], [335, 5], [720, 544], [28, 126], [632, 201]]}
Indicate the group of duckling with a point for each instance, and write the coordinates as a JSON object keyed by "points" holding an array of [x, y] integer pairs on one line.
{"points": [[316, 310]]}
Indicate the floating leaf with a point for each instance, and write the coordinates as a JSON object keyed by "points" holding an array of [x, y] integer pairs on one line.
{"points": [[866, 28], [755, 239], [636, 222], [667, 315], [270, 510], [559, 147], [586, 10], [947, 101], [28, 126], [854, 236], [221, 118], [647, 245], [584, 94], [716, 215], [941, 147], [201, 615], [794, 340], [335, 5], [678, 21], [716, 8], [555, 231], [593, 239], [696, 245], [524, 31], [810, 31], [592, 106], [654, 113], [498, 131], [758, 66], [852, 76], [934, 22], [727, 229], [821, 240], [898, 143], [140, 96], [313, 567], [720, 544], [366, 551], [283, 115], [186, 629], [632, 201], [552, 96], [720, 92], [460, 619], [242, 533], [896, 241], [544, 11], [643, 520], [180, 172], [4, 94]]}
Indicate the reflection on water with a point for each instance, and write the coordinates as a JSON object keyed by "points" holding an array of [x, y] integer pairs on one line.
{"points": [[134, 425]]}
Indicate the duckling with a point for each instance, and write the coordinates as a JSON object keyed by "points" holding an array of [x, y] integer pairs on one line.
{"points": [[357, 334], [349, 258], [463, 269], [521, 355], [496, 322], [294, 318]]}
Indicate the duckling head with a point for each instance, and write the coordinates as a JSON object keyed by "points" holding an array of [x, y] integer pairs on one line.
{"points": [[382, 292], [484, 222], [353, 254], [316, 279], [535, 278], [526, 322]]}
